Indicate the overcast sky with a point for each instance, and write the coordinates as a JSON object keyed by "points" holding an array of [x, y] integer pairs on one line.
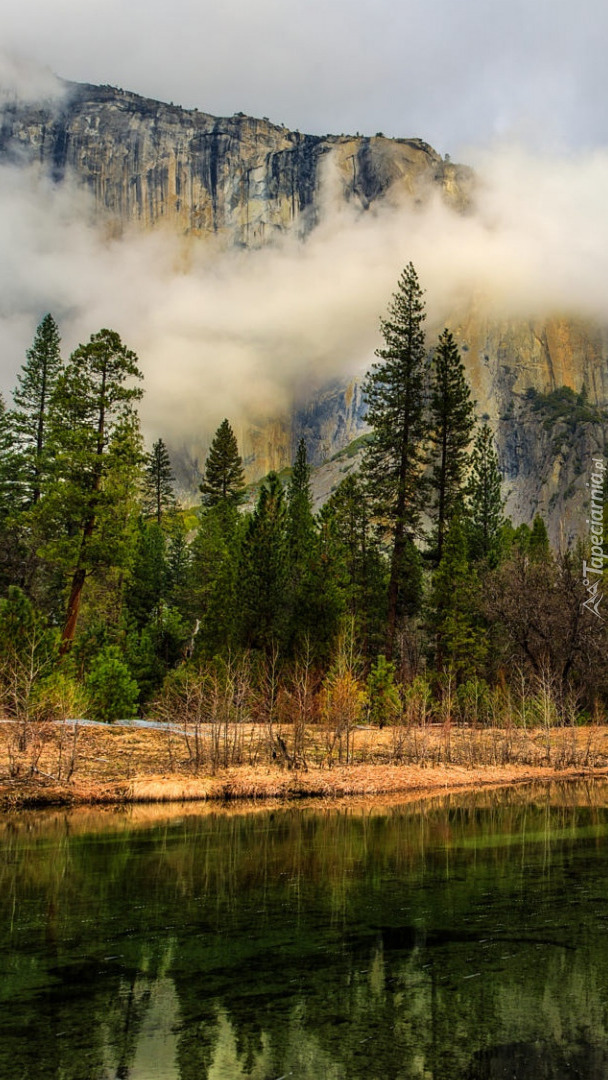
{"points": [[454, 72], [517, 88]]}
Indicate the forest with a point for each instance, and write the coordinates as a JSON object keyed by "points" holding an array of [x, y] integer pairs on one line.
{"points": [[408, 596]]}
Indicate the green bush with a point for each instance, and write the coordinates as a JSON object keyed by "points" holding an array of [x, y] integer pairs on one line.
{"points": [[60, 697], [111, 691], [383, 695]]}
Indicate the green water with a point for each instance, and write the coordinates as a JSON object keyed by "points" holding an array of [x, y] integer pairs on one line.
{"points": [[465, 939]]}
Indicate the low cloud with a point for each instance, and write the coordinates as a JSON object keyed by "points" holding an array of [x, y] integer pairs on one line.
{"points": [[240, 334], [26, 81]]}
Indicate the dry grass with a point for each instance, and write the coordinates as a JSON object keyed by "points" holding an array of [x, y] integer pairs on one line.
{"points": [[125, 765]]}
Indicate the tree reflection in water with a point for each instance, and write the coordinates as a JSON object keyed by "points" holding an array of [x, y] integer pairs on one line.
{"points": [[455, 939]]}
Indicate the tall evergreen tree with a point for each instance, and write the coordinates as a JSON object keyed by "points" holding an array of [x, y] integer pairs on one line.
{"points": [[148, 583], [215, 552], [301, 526], [456, 625], [95, 438], [223, 479], [178, 564], [394, 460], [20, 535], [8, 463], [264, 565], [213, 585], [484, 505], [300, 523], [359, 568], [33, 397], [158, 494], [452, 422], [313, 597]]}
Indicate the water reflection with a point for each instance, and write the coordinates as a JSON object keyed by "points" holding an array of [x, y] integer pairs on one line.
{"points": [[455, 939]]}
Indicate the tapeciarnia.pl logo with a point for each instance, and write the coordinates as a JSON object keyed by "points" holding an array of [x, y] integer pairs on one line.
{"points": [[595, 566]]}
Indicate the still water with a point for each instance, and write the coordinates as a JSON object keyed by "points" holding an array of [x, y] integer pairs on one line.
{"points": [[456, 939]]}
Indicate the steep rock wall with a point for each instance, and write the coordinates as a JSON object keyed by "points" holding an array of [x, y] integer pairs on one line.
{"points": [[240, 178], [245, 181]]}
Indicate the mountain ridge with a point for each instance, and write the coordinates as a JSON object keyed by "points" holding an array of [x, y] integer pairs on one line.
{"points": [[244, 182], [244, 178]]}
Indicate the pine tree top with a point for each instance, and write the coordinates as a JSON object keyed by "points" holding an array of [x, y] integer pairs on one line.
{"points": [[224, 478], [158, 493], [299, 483]]}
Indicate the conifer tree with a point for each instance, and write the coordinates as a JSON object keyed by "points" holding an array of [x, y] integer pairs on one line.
{"points": [[539, 547], [8, 463], [484, 505], [300, 520], [301, 537], [452, 423], [178, 564], [313, 599], [359, 568], [455, 621], [213, 588], [149, 573], [223, 479], [300, 524], [394, 390], [159, 496], [264, 568], [96, 442], [33, 399], [15, 536], [384, 704], [215, 553]]}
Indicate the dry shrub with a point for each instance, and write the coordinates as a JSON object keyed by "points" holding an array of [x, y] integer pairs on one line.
{"points": [[342, 701], [212, 709]]}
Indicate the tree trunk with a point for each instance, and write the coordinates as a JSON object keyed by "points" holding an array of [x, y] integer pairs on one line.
{"points": [[69, 629], [393, 588]]}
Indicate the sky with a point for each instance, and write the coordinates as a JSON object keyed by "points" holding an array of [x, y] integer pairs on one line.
{"points": [[517, 88], [453, 72]]}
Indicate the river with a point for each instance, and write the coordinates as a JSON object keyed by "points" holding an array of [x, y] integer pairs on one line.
{"points": [[458, 938]]}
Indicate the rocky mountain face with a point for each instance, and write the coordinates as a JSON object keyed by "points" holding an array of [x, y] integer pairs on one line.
{"points": [[546, 438], [246, 181], [242, 179]]}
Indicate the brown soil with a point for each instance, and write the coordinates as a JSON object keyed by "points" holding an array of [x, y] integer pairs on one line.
{"points": [[47, 765]]}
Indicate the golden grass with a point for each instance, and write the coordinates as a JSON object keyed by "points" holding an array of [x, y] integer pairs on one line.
{"points": [[115, 765]]}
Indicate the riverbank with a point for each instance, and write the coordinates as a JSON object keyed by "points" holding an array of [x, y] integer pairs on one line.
{"points": [[50, 765]]}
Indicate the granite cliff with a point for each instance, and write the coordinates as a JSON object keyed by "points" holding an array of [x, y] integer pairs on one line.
{"points": [[240, 178], [245, 182]]}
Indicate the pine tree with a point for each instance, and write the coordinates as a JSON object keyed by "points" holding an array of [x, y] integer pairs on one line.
{"points": [[384, 704], [213, 586], [455, 620], [301, 538], [224, 479], [97, 446], [158, 495], [394, 460], [300, 520], [264, 568], [149, 573], [33, 399], [484, 505], [359, 569], [539, 547], [452, 423], [313, 599], [178, 564], [9, 469], [18, 557]]}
